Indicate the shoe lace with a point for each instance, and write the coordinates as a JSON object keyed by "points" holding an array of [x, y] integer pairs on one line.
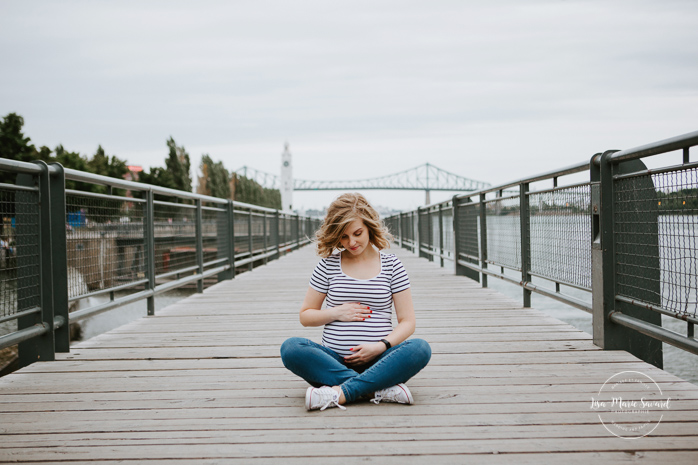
{"points": [[328, 398], [377, 396]]}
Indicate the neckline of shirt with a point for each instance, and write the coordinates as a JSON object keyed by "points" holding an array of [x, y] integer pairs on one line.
{"points": [[380, 259]]}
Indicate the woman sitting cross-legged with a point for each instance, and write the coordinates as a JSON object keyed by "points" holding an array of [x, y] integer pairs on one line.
{"points": [[361, 354]]}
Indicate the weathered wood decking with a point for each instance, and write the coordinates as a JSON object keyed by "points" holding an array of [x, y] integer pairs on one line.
{"points": [[202, 382]]}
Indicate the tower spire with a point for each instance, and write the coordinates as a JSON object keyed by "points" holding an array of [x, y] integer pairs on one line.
{"points": [[286, 179]]}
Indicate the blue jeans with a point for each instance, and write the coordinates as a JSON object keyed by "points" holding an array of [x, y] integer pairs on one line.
{"points": [[321, 366]]}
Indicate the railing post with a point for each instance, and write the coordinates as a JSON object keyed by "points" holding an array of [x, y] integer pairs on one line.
{"points": [[264, 233], [430, 231], [419, 235], [226, 240], [298, 231], [456, 242], [483, 238], [199, 246], [250, 244], [399, 230], [60, 258], [149, 245], [525, 217], [441, 235], [40, 348], [607, 334], [277, 235]]}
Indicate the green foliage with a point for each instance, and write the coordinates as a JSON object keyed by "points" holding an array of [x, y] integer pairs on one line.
{"points": [[15, 146], [175, 174], [75, 161], [179, 165], [681, 202], [249, 191], [215, 179]]}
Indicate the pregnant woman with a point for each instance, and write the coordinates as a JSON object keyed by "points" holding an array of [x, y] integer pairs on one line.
{"points": [[362, 355]]}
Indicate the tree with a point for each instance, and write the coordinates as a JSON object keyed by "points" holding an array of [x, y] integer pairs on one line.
{"points": [[103, 164], [249, 191], [72, 160], [15, 146], [175, 174], [178, 164], [214, 179]]}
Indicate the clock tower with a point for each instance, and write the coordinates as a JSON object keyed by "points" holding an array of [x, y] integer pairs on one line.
{"points": [[286, 180]]}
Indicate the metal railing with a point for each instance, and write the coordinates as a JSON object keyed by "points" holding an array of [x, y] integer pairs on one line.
{"points": [[125, 240], [625, 236]]}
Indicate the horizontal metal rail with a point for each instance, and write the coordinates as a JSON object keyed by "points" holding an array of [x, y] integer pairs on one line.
{"points": [[667, 169], [131, 249], [658, 309], [656, 332], [14, 187], [585, 232], [121, 287], [19, 166], [23, 335], [578, 168], [96, 195], [581, 305], [655, 148], [14, 316]]}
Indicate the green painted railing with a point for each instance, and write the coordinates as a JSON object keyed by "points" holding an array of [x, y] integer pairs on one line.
{"points": [[60, 246], [624, 234]]}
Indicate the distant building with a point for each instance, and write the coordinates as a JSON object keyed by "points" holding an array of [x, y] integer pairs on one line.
{"points": [[132, 175], [133, 172], [286, 180]]}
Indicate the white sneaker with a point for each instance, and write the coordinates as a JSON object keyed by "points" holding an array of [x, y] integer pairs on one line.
{"points": [[398, 393], [322, 398]]}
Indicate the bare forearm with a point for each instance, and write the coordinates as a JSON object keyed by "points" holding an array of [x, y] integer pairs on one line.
{"points": [[314, 317], [401, 332]]}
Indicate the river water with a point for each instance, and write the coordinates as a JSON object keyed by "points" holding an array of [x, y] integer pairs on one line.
{"points": [[676, 361], [107, 321]]}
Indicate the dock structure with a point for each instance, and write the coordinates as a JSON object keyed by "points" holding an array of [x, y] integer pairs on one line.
{"points": [[201, 382]]}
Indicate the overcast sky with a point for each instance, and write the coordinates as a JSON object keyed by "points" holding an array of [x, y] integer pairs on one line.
{"points": [[491, 90]]}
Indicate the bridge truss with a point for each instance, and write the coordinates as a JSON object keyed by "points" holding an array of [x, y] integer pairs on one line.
{"points": [[426, 177]]}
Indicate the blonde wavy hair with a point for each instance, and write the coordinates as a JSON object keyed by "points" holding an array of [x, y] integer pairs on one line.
{"points": [[342, 211]]}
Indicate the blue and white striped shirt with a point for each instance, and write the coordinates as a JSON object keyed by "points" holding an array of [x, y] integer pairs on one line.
{"points": [[376, 293]]}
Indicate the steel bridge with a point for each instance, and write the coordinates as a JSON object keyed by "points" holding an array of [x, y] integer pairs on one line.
{"points": [[426, 177]]}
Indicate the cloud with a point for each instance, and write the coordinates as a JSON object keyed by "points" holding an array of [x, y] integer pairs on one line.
{"points": [[489, 89]]}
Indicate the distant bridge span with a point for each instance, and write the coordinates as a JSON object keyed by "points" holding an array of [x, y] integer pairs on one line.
{"points": [[426, 177]]}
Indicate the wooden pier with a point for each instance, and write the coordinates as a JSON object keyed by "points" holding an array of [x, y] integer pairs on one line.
{"points": [[202, 383]]}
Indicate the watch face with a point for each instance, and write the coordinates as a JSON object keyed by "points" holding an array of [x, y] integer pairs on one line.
{"points": [[285, 163]]}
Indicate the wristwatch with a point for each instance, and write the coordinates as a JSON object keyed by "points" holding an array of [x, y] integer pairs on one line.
{"points": [[387, 344]]}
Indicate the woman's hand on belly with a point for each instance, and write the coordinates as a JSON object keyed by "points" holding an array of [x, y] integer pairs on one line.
{"points": [[352, 311], [364, 353]]}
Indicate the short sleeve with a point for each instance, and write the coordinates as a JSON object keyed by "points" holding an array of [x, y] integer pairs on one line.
{"points": [[319, 280], [399, 281]]}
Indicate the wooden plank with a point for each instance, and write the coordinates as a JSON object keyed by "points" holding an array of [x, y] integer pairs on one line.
{"points": [[202, 382]]}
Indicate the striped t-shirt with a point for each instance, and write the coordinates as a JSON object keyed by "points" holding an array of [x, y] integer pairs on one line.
{"points": [[376, 293]]}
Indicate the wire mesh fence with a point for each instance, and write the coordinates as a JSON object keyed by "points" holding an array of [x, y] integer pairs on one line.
{"points": [[656, 239], [447, 232], [116, 248], [175, 237], [425, 229], [468, 219], [560, 235], [104, 242], [503, 218], [257, 231], [214, 227], [19, 251]]}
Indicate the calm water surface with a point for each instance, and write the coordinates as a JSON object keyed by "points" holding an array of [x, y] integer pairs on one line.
{"points": [[676, 361]]}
